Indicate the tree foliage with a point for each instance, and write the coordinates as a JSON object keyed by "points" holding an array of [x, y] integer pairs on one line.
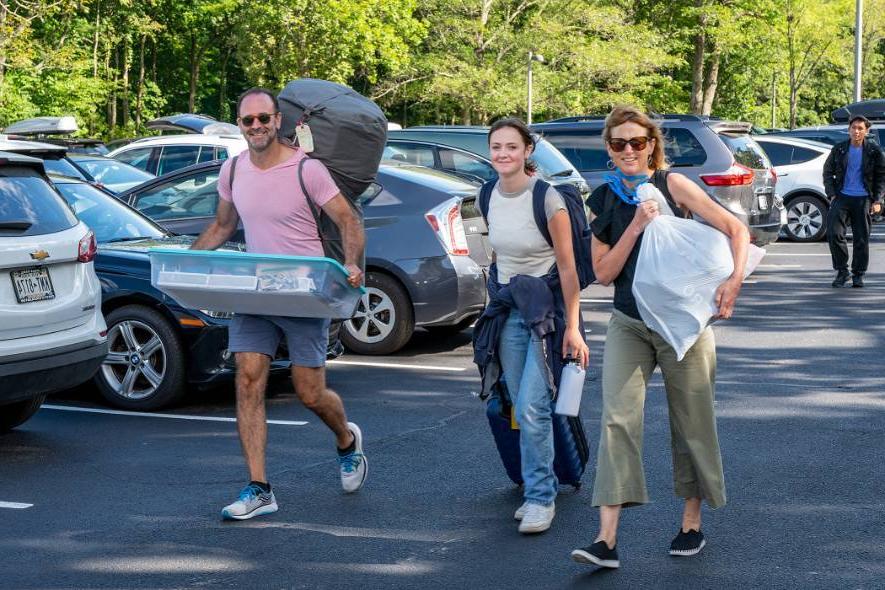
{"points": [[115, 64]]}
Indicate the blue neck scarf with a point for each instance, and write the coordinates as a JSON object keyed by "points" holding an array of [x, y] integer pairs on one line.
{"points": [[625, 193]]}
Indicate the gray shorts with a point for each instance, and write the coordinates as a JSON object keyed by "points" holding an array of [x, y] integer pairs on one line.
{"points": [[307, 338]]}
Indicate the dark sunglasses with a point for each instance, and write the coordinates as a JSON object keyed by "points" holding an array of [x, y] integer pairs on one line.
{"points": [[619, 145], [263, 118]]}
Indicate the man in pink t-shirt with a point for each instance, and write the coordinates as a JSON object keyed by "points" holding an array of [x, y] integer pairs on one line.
{"points": [[277, 218]]}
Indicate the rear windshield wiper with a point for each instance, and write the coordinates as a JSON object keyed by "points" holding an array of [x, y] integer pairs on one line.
{"points": [[563, 173], [111, 241], [16, 224]]}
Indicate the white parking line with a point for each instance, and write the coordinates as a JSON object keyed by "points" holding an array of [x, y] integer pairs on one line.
{"points": [[779, 266], [153, 415], [395, 366], [15, 505], [596, 300]]}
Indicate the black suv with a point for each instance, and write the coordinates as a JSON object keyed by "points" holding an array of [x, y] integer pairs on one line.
{"points": [[720, 156]]}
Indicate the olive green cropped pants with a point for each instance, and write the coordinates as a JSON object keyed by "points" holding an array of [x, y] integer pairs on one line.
{"points": [[632, 352]]}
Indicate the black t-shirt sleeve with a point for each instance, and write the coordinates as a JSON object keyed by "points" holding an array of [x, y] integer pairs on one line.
{"points": [[601, 224]]}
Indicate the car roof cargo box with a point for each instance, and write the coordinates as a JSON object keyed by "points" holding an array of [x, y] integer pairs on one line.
{"points": [[349, 130], [874, 110], [43, 126], [192, 123]]}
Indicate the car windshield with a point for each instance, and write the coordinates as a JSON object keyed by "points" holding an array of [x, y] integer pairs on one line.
{"points": [[107, 171], [550, 160], [110, 219]]}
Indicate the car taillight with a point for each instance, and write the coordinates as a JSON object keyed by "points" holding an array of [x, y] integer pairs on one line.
{"points": [[86, 250], [737, 175], [445, 219]]}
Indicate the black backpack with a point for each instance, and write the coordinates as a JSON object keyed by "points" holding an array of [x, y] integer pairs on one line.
{"points": [[577, 215]]}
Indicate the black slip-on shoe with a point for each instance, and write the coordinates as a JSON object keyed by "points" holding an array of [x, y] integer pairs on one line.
{"points": [[841, 279], [687, 544], [597, 554], [857, 281]]}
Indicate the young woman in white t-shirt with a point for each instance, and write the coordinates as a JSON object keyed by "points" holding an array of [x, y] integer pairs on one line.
{"points": [[520, 249]]}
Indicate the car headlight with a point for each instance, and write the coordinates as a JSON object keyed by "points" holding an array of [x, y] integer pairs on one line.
{"points": [[218, 315]]}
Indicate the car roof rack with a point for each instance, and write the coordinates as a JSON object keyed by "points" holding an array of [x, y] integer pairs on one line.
{"points": [[443, 128], [874, 110], [192, 123], [668, 116]]}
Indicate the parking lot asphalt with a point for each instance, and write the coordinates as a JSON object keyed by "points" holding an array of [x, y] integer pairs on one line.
{"points": [[114, 500]]}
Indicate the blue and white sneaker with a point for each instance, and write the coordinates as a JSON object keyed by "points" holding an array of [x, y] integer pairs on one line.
{"points": [[253, 501], [354, 467]]}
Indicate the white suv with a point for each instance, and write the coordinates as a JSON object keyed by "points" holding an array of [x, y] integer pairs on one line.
{"points": [[167, 153], [799, 165], [52, 333]]}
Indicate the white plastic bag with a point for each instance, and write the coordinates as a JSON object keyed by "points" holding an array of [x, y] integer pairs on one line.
{"points": [[681, 264]]}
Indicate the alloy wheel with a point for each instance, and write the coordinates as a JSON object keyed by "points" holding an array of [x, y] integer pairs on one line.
{"points": [[804, 220], [374, 318], [136, 361]]}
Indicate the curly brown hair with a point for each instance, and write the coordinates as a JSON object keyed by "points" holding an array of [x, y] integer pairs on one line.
{"points": [[626, 114]]}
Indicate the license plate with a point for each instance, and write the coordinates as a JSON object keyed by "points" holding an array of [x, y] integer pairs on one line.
{"points": [[32, 284], [763, 201]]}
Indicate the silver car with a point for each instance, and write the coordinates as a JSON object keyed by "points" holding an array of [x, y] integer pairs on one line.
{"points": [[720, 156]]}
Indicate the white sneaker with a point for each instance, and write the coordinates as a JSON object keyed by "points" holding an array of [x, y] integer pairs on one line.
{"points": [[537, 518], [253, 501], [520, 512], [354, 467]]}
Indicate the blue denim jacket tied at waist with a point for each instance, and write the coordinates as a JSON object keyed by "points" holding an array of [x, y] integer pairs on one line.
{"points": [[541, 305]]}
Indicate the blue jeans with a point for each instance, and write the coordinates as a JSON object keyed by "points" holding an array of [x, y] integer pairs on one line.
{"points": [[522, 360]]}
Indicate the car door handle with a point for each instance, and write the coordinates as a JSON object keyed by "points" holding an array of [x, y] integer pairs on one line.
{"points": [[782, 174]]}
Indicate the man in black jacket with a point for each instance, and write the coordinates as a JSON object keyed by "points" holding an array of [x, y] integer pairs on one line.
{"points": [[854, 179]]}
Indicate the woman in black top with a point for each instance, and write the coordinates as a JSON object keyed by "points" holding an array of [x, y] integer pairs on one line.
{"points": [[632, 351]]}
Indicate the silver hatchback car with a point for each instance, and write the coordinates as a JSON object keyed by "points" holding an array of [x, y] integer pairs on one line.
{"points": [[721, 156]]}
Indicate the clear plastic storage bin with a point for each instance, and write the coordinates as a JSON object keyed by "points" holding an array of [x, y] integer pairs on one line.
{"points": [[265, 284]]}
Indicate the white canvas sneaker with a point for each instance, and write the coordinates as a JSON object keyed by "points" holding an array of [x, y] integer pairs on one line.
{"points": [[537, 518]]}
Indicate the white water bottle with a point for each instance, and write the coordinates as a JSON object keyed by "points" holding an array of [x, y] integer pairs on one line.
{"points": [[571, 386]]}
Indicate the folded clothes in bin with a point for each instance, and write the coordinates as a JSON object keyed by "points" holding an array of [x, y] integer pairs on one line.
{"points": [[263, 284], [274, 279]]}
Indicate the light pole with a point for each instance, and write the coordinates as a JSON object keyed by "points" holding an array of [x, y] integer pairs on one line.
{"points": [[540, 59], [858, 48]]}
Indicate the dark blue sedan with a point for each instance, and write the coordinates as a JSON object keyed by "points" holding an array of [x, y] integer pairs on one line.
{"points": [[157, 347]]}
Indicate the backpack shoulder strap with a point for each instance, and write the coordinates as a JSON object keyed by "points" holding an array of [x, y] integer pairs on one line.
{"points": [[233, 171], [485, 197], [539, 198]]}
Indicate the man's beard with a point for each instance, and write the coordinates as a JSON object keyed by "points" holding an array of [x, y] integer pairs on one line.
{"points": [[260, 148]]}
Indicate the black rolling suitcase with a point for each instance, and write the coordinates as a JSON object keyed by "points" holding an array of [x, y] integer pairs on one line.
{"points": [[571, 451]]}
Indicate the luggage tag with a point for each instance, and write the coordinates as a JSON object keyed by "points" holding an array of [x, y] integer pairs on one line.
{"points": [[513, 424], [305, 137]]}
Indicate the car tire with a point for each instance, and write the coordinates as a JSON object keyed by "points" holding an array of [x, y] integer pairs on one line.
{"points": [[384, 319], [145, 366], [806, 218], [17, 413]]}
